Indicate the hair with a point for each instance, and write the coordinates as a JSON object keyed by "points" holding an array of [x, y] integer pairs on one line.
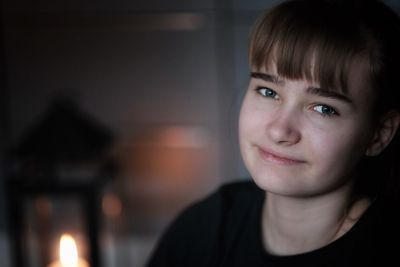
{"points": [[318, 40]]}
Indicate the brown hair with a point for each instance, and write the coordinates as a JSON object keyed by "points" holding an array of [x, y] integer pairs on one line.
{"points": [[318, 40]]}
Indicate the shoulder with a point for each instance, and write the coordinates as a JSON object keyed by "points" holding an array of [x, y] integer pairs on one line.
{"points": [[207, 213], [236, 190], [196, 234], [230, 197], [227, 196], [242, 187]]}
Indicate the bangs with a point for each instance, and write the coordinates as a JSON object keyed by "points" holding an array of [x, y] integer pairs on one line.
{"points": [[302, 43]]}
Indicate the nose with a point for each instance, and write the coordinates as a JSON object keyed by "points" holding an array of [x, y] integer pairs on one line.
{"points": [[284, 128]]}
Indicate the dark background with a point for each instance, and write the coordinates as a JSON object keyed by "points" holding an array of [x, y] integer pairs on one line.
{"points": [[134, 67]]}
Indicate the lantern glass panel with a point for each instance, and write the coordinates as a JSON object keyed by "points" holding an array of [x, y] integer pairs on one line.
{"points": [[46, 219]]}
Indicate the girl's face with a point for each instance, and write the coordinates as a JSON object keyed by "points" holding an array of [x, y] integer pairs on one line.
{"points": [[300, 140]]}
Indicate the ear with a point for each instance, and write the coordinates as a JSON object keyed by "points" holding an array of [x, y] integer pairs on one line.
{"points": [[384, 133]]}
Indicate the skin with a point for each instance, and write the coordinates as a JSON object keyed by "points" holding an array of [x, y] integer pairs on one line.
{"points": [[302, 146]]}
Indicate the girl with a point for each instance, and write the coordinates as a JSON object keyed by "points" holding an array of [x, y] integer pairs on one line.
{"points": [[315, 126]]}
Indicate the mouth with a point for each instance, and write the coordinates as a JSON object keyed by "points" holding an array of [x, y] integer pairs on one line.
{"points": [[278, 158]]}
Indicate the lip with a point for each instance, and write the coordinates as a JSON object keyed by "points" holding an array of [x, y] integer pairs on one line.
{"points": [[278, 158]]}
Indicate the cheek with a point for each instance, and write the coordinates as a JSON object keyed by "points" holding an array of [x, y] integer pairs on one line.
{"points": [[337, 150], [253, 122], [247, 120], [325, 148]]}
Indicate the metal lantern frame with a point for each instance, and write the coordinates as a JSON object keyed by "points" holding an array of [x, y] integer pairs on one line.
{"points": [[19, 192]]}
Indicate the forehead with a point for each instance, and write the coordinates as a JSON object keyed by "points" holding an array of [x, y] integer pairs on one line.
{"points": [[305, 51], [359, 80], [358, 88], [348, 78]]}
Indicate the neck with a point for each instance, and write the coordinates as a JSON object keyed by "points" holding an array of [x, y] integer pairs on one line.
{"points": [[298, 225]]}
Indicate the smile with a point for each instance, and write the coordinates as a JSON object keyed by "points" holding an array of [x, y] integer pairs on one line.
{"points": [[277, 158]]}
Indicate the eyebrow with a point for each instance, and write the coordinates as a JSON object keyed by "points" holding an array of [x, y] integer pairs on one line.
{"points": [[310, 90], [329, 94], [266, 77]]}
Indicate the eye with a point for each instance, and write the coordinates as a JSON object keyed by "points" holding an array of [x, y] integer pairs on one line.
{"points": [[325, 110], [267, 92]]}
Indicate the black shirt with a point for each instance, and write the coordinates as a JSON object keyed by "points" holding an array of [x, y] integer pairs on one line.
{"points": [[225, 230]]}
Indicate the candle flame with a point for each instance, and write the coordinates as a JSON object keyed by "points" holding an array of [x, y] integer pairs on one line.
{"points": [[68, 251]]}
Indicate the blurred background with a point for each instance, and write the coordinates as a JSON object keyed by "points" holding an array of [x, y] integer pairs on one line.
{"points": [[114, 116]]}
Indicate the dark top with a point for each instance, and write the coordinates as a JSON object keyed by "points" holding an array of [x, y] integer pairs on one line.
{"points": [[225, 230]]}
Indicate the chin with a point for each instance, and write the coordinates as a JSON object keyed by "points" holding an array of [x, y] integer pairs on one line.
{"points": [[269, 183], [284, 186]]}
